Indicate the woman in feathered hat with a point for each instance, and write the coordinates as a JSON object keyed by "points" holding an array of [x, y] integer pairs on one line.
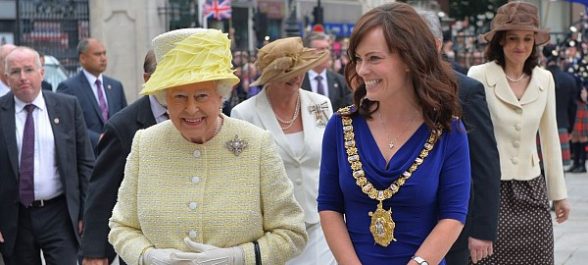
{"points": [[296, 118], [203, 188], [521, 100]]}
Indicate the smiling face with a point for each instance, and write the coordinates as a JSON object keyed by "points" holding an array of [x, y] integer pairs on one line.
{"points": [[517, 46], [194, 109], [384, 73], [24, 74]]}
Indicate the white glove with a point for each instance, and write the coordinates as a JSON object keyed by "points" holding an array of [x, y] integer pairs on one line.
{"points": [[160, 256], [210, 255]]}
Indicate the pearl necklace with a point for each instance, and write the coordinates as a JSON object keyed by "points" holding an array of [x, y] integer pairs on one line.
{"points": [[514, 80], [289, 123]]}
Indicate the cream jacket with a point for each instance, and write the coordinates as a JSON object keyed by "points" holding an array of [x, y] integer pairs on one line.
{"points": [[174, 188], [516, 123], [302, 170]]}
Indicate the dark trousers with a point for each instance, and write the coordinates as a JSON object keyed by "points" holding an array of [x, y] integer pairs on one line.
{"points": [[49, 229], [458, 257]]}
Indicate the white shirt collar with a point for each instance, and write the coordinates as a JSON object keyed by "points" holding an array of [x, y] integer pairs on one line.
{"points": [[157, 109], [92, 79], [39, 102], [312, 74], [4, 89]]}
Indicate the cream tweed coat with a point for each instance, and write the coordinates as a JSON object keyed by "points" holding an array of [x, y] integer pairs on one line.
{"points": [[174, 189]]}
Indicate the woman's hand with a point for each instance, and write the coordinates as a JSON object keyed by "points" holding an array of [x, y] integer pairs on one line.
{"points": [[479, 249], [562, 210], [210, 255], [161, 256]]}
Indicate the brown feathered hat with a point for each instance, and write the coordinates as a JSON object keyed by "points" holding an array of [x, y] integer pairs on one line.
{"points": [[517, 15], [286, 58]]}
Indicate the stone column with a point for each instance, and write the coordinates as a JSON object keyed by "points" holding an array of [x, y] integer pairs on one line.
{"points": [[126, 29]]}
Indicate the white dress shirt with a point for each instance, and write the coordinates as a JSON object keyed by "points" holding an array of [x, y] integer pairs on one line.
{"points": [[47, 181], [313, 83], [4, 89], [158, 110], [92, 80]]}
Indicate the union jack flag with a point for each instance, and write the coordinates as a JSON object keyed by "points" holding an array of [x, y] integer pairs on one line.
{"points": [[218, 9]]}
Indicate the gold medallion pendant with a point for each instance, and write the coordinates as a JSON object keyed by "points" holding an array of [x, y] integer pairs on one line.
{"points": [[382, 226]]}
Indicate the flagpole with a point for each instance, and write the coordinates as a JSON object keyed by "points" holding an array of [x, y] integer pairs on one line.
{"points": [[204, 17]]}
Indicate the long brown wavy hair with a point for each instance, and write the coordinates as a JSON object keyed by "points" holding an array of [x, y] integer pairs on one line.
{"points": [[407, 34], [494, 52]]}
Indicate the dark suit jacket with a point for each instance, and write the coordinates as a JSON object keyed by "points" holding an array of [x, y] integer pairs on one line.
{"points": [[79, 87], [73, 155], [482, 217], [565, 97], [339, 94], [46, 86], [108, 173]]}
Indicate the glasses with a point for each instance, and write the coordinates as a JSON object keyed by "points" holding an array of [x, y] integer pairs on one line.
{"points": [[27, 71]]}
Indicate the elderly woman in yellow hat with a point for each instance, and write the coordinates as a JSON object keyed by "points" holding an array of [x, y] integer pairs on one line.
{"points": [[521, 100], [203, 188], [296, 118]]}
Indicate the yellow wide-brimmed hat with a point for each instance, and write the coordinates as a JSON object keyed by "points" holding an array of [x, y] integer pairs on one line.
{"points": [[517, 15], [187, 56], [286, 58]]}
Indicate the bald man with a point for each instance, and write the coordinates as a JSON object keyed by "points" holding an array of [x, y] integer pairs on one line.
{"points": [[4, 51], [100, 96]]}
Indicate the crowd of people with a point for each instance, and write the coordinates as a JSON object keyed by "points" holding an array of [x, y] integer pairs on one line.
{"points": [[389, 156]]}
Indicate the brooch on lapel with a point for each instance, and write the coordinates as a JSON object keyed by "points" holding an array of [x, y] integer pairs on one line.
{"points": [[318, 110], [236, 145]]}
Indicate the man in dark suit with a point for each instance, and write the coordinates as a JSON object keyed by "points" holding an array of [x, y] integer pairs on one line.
{"points": [[566, 90], [100, 96], [321, 79], [45, 162], [44, 84], [108, 173], [479, 233]]}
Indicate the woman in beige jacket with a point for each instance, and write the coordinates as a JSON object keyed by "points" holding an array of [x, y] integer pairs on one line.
{"points": [[521, 100]]}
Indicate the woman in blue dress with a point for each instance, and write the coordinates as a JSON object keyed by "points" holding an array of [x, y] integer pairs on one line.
{"points": [[395, 175]]}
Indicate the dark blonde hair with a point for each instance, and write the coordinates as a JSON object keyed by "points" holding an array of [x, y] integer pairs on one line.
{"points": [[406, 33]]}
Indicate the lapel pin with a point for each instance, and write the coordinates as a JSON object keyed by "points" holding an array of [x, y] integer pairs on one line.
{"points": [[56, 120], [336, 85], [109, 87]]}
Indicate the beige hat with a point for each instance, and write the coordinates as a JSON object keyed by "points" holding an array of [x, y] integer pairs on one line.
{"points": [[286, 58], [187, 56], [517, 15]]}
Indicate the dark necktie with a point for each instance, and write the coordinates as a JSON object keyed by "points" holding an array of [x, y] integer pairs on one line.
{"points": [[101, 101], [26, 183], [319, 85]]}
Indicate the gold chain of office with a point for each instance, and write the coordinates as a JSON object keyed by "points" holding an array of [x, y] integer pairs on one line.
{"points": [[382, 226]]}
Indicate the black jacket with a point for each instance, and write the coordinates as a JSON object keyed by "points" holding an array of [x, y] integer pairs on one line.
{"points": [[113, 149]]}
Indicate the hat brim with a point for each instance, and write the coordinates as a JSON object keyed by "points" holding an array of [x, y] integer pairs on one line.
{"points": [[541, 36], [301, 68]]}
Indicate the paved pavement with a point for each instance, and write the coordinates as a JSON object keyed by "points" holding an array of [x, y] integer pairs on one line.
{"points": [[571, 237]]}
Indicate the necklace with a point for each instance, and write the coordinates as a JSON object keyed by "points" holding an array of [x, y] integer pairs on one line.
{"points": [[290, 123], [514, 80], [393, 140], [381, 226]]}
